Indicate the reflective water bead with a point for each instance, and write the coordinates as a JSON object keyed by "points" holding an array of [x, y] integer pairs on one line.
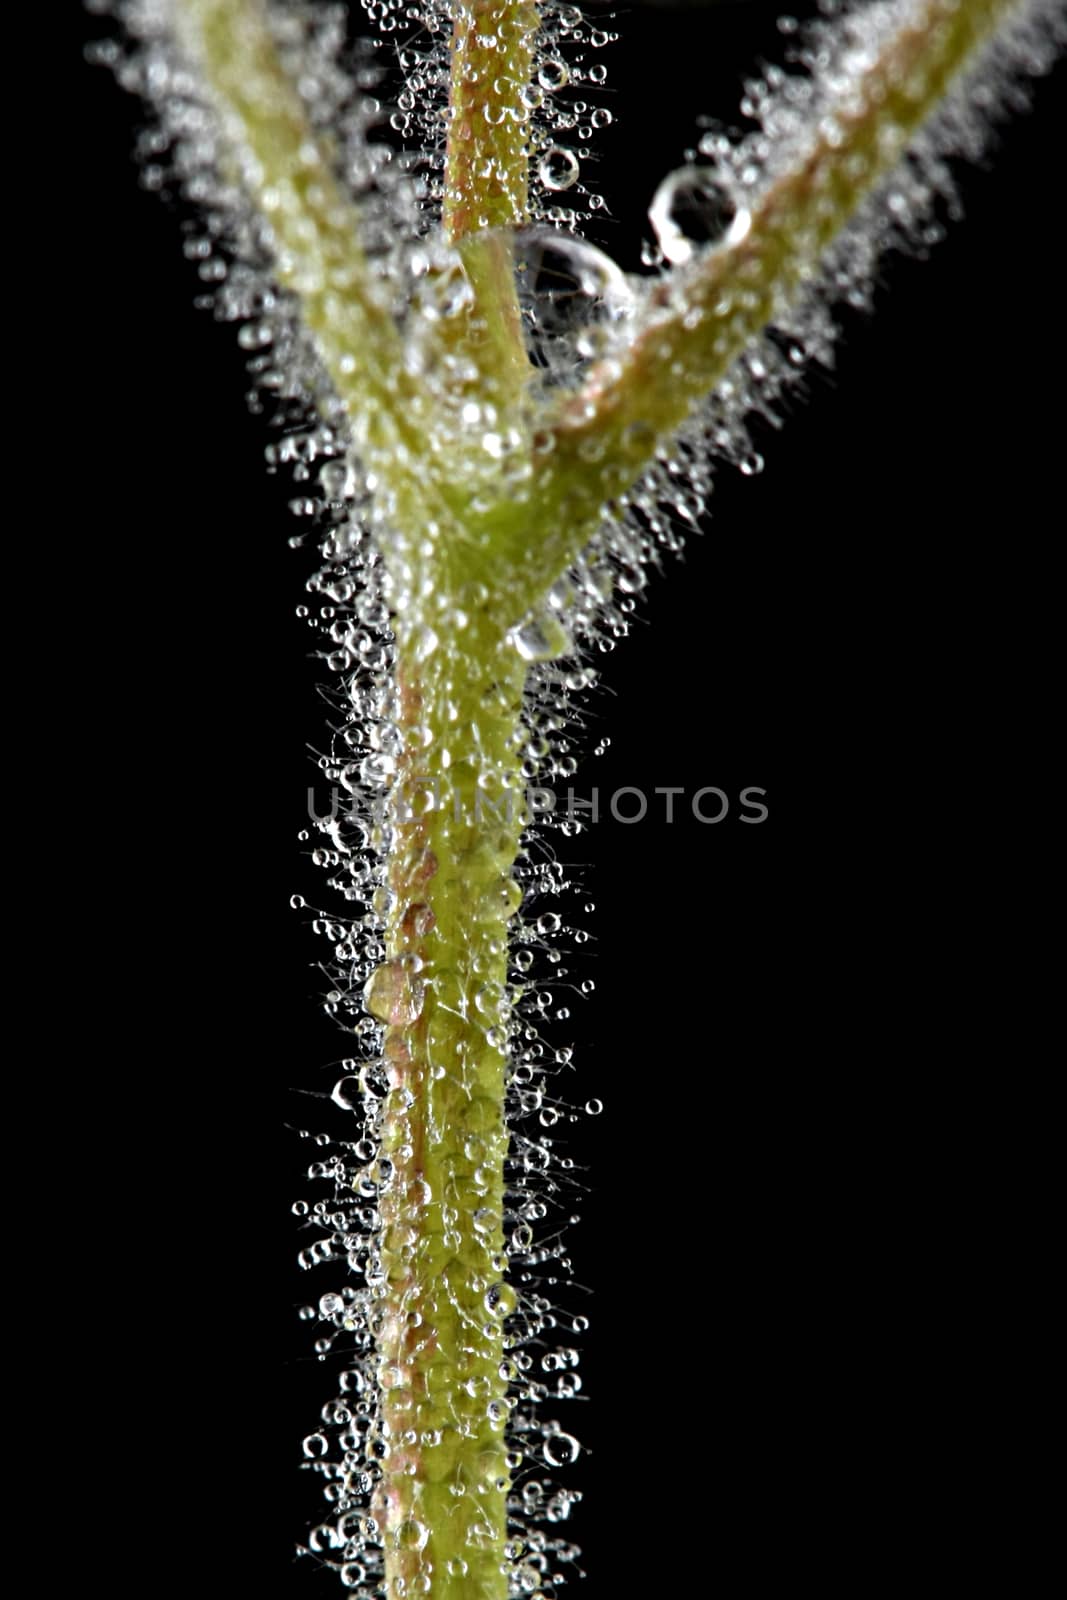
{"points": [[541, 638], [558, 168], [695, 209], [575, 300]]}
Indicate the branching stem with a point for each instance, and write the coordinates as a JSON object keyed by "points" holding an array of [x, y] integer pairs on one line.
{"points": [[706, 313], [474, 560]]}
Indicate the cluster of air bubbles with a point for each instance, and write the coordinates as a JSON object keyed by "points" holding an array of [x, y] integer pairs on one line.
{"points": [[568, 114]]}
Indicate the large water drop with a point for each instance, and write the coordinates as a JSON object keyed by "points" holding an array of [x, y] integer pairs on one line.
{"points": [[576, 301], [558, 168], [560, 1449], [695, 209]]}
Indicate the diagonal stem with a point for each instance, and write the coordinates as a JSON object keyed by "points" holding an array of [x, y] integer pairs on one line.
{"points": [[287, 168], [704, 315]]}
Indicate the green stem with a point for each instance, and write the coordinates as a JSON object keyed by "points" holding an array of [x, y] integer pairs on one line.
{"points": [[487, 160], [706, 314], [469, 555], [487, 176], [288, 170], [441, 993]]}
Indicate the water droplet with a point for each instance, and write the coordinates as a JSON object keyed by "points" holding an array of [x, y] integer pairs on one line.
{"points": [[394, 993], [553, 75], [411, 1534], [347, 1094], [324, 1537], [255, 336], [576, 301], [501, 1300], [694, 209], [558, 168], [337, 480], [560, 1449], [424, 643], [541, 637]]}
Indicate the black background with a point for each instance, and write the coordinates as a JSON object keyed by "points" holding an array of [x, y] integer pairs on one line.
{"points": [[760, 1241]]}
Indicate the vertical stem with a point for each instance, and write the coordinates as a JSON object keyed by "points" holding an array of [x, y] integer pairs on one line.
{"points": [[487, 173], [486, 162], [441, 992]]}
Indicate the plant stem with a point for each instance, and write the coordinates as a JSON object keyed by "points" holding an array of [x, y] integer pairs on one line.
{"points": [[468, 555], [706, 313], [442, 989], [441, 993], [288, 171], [487, 177], [487, 161]]}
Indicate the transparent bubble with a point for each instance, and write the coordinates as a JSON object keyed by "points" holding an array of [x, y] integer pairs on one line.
{"points": [[411, 1534], [541, 637], [695, 209], [348, 1094], [560, 1449], [394, 993], [558, 168], [576, 302]]}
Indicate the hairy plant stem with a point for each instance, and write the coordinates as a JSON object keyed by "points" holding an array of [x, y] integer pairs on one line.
{"points": [[706, 313], [441, 1301], [487, 161], [289, 171], [473, 546], [487, 176], [442, 990]]}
